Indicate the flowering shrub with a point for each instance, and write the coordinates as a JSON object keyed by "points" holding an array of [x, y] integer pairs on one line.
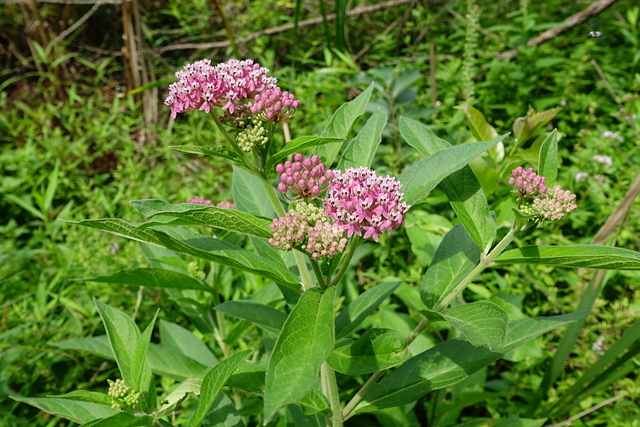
{"points": [[282, 259]]}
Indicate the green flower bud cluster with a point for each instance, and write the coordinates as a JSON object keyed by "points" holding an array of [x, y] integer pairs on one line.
{"points": [[252, 135], [122, 394]]}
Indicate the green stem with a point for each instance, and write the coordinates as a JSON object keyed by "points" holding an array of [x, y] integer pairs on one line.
{"points": [[234, 145], [329, 380], [345, 261], [484, 263], [322, 282]]}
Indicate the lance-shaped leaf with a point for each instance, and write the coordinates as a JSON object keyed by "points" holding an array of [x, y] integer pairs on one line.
{"points": [[298, 145], [375, 350], [362, 149], [207, 151], [423, 176], [341, 122], [192, 243], [353, 314], [478, 125], [548, 159], [122, 419], [462, 187], [583, 256], [481, 322], [162, 212], [130, 350], [213, 381], [306, 340], [176, 339], [154, 277], [450, 362], [261, 315], [77, 411], [525, 127], [454, 259]]}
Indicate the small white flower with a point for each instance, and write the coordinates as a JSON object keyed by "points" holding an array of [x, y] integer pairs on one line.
{"points": [[612, 135], [603, 160], [598, 347], [581, 176], [602, 179]]}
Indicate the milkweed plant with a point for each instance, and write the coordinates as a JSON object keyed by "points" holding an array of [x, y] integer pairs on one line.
{"points": [[317, 354]]}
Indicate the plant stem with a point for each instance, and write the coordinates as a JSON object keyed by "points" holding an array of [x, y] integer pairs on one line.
{"points": [[234, 146], [345, 261], [484, 263], [322, 282], [331, 391]]}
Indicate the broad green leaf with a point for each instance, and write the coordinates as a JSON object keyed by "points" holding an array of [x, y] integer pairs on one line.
{"points": [[314, 402], [583, 256], [213, 381], [510, 421], [305, 341], [375, 350], [454, 259], [154, 277], [480, 129], [525, 127], [548, 159], [177, 339], [249, 376], [249, 194], [423, 176], [162, 361], [122, 419], [340, 124], [261, 315], [162, 212], [87, 396], [130, 350], [192, 243], [449, 363], [223, 413], [481, 322], [74, 410], [208, 151], [190, 385], [362, 149], [297, 146], [353, 314]]}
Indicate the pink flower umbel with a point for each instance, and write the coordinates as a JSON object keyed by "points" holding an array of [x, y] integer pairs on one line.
{"points": [[305, 177], [200, 201], [203, 86], [306, 227], [273, 105], [545, 204], [527, 182], [360, 200]]}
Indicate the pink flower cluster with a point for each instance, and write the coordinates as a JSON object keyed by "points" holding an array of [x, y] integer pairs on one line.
{"points": [[305, 177], [548, 204], [202, 201], [274, 105], [305, 226], [235, 86], [527, 182], [555, 203], [359, 200]]}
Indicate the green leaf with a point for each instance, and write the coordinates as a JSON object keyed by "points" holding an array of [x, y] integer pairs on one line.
{"points": [[249, 194], [74, 410], [130, 350], [87, 396], [122, 419], [525, 127], [249, 376], [213, 381], [462, 187], [193, 214], [449, 363], [314, 402], [223, 413], [375, 350], [261, 315], [423, 176], [361, 307], [154, 277], [192, 243], [362, 149], [510, 421], [548, 159], [340, 124], [454, 259], [481, 322], [480, 129], [305, 341], [176, 339], [583, 256], [207, 151], [298, 145], [190, 385]]}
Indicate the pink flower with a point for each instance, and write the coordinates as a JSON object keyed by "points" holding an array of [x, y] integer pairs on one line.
{"points": [[527, 182], [305, 177], [200, 201], [273, 105], [360, 200], [546, 204], [554, 204]]}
